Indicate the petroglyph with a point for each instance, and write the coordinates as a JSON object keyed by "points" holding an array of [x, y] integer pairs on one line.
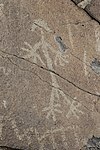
{"points": [[85, 60], [97, 36], [1, 126], [61, 59], [5, 104], [19, 135], [41, 24], [74, 110], [52, 108], [54, 105], [62, 132], [32, 52], [16, 130]]}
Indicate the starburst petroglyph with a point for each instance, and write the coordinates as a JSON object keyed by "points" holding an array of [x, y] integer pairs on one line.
{"points": [[32, 52], [61, 59], [74, 110]]}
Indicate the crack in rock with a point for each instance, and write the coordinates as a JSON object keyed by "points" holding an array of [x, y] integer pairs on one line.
{"points": [[83, 4], [22, 69], [52, 71]]}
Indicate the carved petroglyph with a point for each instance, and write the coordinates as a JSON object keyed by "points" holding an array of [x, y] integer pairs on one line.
{"points": [[16, 130], [41, 138], [76, 131], [74, 110], [42, 24], [60, 59], [50, 134], [70, 35], [84, 3], [19, 135], [72, 47], [97, 36], [1, 126], [85, 60], [4, 103], [32, 52], [54, 106]]}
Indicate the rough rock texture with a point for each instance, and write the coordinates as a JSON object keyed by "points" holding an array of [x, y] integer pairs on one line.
{"points": [[49, 75], [92, 7]]}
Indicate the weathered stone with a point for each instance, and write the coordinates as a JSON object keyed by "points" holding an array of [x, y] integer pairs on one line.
{"points": [[92, 144], [49, 82], [92, 7]]}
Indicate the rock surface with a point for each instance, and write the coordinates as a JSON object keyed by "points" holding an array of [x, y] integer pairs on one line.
{"points": [[92, 7], [49, 85]]}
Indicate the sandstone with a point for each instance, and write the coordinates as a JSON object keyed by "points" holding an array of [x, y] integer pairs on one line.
{"points": [[49, 75]]}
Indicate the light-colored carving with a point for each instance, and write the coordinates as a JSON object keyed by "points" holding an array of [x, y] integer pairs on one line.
{"points": [[76, 131], [1, 126], [41, 143], [97, 36], [16, 130], [70, 35], [19, 135], [5, 104], [60, 59], [32, 52], [52, 108], [74, 110], [50, 133], [42, 24], [85, 60]]}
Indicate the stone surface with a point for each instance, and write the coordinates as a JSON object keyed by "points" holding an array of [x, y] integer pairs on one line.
{"points": [[49, 78], [92, 7]]}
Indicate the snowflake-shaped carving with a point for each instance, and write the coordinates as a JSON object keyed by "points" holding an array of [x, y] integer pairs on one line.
{"points": [[32, 52], [52, 108], [60, 59], [74, 110]]}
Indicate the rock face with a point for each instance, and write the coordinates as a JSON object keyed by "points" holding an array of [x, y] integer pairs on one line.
{"points": [[49, 78], [92, 7]]}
